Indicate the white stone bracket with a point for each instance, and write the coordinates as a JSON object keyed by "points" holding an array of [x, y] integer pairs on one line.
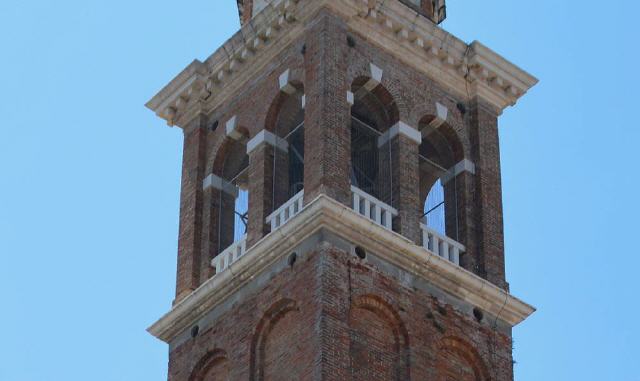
{"points": [[400, 128], [375, 78], [231, 129], [287, 87], [216, 182], [267, 137], [465, 165]]}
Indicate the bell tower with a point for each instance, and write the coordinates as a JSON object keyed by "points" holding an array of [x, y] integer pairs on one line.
{"points": [[341, 203]]}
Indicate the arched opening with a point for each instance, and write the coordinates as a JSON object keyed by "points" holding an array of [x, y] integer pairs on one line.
{"points": [[373, 112], [436, 158], [288, 126], [233, 192], [439, 153]]}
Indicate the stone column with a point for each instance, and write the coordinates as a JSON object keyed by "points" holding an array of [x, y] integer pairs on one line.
{"points": [[191, 203], [327, 114]]}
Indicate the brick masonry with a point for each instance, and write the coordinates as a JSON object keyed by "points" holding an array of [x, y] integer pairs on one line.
{"points": [[333, 316]]}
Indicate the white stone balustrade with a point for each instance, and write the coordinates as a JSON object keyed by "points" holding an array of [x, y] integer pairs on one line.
{"points": [[372, 208], [230, 255], [287, 211], [440, 245]]}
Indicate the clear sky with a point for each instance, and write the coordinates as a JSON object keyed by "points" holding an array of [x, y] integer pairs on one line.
{"points": [[89, 181]]}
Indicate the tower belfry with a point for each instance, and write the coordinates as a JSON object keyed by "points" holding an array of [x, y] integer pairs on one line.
{"points": [[341, 203]]}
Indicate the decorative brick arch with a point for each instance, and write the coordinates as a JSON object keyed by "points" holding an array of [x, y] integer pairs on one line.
{"points": [[273, 315], [214, 366], [389, 89], [371, 313], [284, 102], [455, 354], [379, 102], [222, 148]]}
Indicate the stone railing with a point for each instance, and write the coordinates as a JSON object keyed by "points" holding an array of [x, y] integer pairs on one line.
{"points": [[230, 255], [286, 211], [372, 208], [441, 245]]}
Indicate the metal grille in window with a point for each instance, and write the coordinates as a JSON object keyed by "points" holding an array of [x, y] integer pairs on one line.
{"points": [[370, 164]]}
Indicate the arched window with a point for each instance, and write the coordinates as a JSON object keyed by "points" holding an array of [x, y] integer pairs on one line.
{"points": [[372, 114], [288, 171], [436, 158], [439, 153], [233, 196]]}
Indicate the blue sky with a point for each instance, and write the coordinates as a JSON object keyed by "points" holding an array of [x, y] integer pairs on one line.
{"points": [[89, 181]]}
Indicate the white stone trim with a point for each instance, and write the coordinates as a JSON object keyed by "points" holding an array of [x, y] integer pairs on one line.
{"points": [[265, 136], [285, 84], [303, 101], [442, 113], [351, 98], [231, 129], [465, 165], [400, 128], [326, 213], [376, 77], [216, 182]]}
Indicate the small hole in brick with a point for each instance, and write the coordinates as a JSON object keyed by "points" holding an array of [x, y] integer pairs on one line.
{"points": [[361, 252], [430, 315], [292, 259], [304, 49], [478, 314], [194, 331], [442, 310], [439, 327], [462, 108], [214, 126], [351, 42]]}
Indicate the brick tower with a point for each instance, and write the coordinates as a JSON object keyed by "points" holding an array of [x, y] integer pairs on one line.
{"points": [[341, 206]]}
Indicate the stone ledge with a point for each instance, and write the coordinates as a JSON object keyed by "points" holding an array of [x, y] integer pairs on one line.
{"points": [[326, 213]]}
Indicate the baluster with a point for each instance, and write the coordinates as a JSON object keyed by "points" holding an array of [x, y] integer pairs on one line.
{"points": [[444, 249], [435, 244], [455, 255], [356, 202], [378, 214], [292, 210], [367, 208]]}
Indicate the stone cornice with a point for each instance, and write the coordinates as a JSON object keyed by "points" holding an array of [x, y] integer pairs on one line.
{"points": [[468, 71], [325, 213]]}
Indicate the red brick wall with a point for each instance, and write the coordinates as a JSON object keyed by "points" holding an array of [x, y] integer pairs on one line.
{"points": [[323, 63], [332, 316]]}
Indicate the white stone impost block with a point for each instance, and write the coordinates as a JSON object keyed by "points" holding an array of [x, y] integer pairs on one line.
{"points": [[442, 113], [351, 99], [376, 78], [231, 129], [303, 101], [465, 165], [216, 182], [267, 137], [400, 128], [285, 85]]}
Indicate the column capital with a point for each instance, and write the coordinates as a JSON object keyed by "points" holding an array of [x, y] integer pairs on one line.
{"points": [[270, 138], [400, 128]]}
